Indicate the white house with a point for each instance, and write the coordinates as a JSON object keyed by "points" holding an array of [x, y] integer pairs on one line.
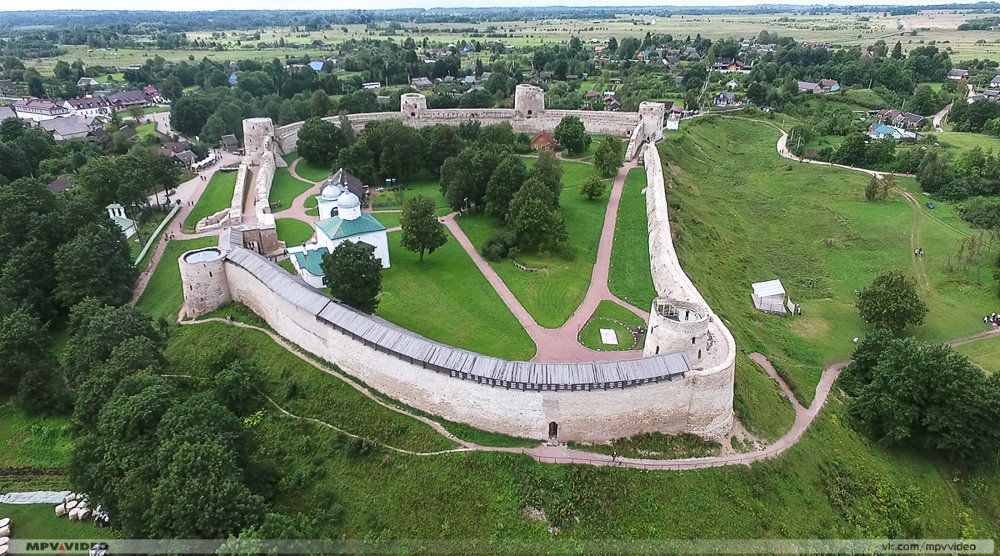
{"points": [[350, 224], [39, 109], [117, 213], [769, 297], [88, 107]]}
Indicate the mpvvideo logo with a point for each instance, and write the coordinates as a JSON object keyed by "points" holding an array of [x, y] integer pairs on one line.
{"points": [[75, 546]]}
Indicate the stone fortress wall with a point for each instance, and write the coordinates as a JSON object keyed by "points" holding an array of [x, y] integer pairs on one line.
{"points": [[528, 115], [695, 399]]}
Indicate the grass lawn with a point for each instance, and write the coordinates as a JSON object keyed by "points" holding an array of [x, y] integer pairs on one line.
{"points": [[285, 189], [424, 184], [749, 216], [554, 292], [388, 219], [146, 130], [163, 296], [964, 141], [985, 353], [655, 446], [301, 388], [31, 441], [293, 232], [629, 277], [311, 172], [217, 196], [448, 300], [287, 265], [761, 408], [39, 521], [612, 316]]}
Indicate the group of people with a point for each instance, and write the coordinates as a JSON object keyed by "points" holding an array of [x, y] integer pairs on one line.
{"points": [[617, 459], [919, 252], [992, 319]]}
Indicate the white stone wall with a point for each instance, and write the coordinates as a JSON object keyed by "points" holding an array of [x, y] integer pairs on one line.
{"points": [[673, 407], [232, 215], [256, 132], [206, 287], [716, 367]]}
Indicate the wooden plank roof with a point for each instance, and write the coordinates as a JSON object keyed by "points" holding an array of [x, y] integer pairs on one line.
{"points": [[408, 345]]}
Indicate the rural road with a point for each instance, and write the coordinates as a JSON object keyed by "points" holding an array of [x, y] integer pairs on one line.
{"points": [[939, 117]]}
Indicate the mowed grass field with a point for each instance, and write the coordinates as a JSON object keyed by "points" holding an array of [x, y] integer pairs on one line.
{"points": [[448, 300], [629, 277], [557, 289], [746, 215], [985, 353], [285, 189], [217, 196], [293, 232]]}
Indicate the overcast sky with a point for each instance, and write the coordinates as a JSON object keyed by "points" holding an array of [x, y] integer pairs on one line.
{"points": [[189, 5]]}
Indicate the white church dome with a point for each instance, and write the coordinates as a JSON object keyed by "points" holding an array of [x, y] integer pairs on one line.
{"points": [[331, 192], [348, 200]]}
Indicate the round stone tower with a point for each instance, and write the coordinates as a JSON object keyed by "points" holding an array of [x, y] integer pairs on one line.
{"points": [[203, 276], [412, 105], [257, 133], [678, 326], [651, 115], [529, 101]]}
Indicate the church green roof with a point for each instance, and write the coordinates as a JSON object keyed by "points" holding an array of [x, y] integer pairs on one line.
{"points": [[311, 263], [337, 228]]}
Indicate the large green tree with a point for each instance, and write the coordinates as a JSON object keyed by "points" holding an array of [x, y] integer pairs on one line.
{"points": [[609, 156], [422, 231], [533, 218], [924, 395], [572, 135], [320, 142], [96, 263], [507, 178], [354, 275], [891, 302], [548, 170]]}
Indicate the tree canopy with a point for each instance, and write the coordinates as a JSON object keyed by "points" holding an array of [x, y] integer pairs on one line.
{"points": [[354, 275], [891, 302], [421, 229]]}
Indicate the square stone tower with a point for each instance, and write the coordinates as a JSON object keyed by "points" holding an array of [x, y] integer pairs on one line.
{"points": [[258, 134]]}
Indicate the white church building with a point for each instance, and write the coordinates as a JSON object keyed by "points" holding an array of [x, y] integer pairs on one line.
{"points": [[343, 221]]}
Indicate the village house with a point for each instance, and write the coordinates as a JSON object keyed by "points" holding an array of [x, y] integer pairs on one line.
{"points": [[87, 83], [6, 86], [958, 74], [6, 112], [59, 185], [810, 87], [229, 143], [170, 148], [185, 159], [995, 83], [725, 99], [829, 85], [66, 128], [543, 141], [38, 109], [88, 107], [882, 131], [421, 83]]}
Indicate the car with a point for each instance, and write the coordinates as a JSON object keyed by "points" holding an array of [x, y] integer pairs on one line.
{"points": [[930, 205]]}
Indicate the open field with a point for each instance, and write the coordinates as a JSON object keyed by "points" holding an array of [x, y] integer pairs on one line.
{"points": [[985, 353], [38, 521], [448, 300], [745, 215], [285, 189], [629, 277], [217, 196], [293, 232]]}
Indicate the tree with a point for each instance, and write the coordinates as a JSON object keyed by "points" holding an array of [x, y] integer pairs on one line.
{"points": [[77, 275], [320, 142], [926, 395], [354, 275], [880, 189], [691, 99], [897, 51], [756, 93], [319, 104], [548, 171], [442, 142], [891, 302], [592, 188], [422, 231], [533, 219], [24, 347], [11, 129], [503, 184], [572, 135], [465, 177], [202, 496], [609, 156], [95, 330]]}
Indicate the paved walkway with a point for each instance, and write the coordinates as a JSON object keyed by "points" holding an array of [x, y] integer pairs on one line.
{"points": [[939, 117], [188, 194], [561, 345]]}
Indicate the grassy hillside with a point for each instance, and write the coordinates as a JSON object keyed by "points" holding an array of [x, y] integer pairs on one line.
{"points": [[743, 214]]}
